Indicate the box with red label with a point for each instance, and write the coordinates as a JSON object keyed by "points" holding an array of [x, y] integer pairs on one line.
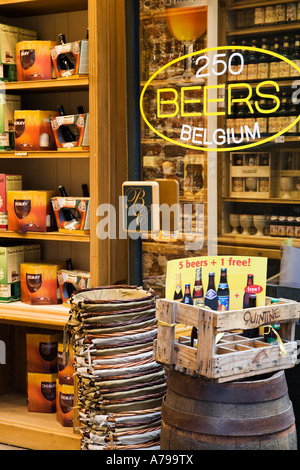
{"points": [[39, 283], [71, 58], [71, 282], [71, 132], [72, 214], [34, 60], [33, 130], [30, 211], [7, 183]]}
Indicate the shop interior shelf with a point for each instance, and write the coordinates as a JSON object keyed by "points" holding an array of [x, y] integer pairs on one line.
{"points": [[40, 7], [54, 316], [37, 431], [50, 154], [50, 236], [264, 30], [55, 84]]}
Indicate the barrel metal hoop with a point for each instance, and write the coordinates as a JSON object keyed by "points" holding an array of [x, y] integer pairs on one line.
{"points": [[227, 426], [255, 391]]}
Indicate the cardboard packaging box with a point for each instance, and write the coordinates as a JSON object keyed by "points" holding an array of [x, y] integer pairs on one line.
{"points": [[70, 282], [65, 364], [30, 211], [33, 59], [11, 258], [64, 404], [41, 352], [33, 130], [8, 40], [72, 214], [41, 392], [7, 183], [39, 284], [77, 134], [10, 292], [8, 105], [71, 58]]}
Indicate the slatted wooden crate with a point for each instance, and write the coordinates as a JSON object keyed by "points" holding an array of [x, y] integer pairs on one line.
{"points": [[222, 354]]}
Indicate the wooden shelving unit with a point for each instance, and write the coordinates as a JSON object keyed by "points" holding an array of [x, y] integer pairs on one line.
{"points": [[104, 167]]}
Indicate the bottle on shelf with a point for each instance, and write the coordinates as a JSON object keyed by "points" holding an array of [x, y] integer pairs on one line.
{"points": [[295, 56], [261, 118], [67, 134], [187, 298], [284, 67], [223, 292], [242, 76], [274, 62], [80, 109], [263, 61], [282, 118], [269, 336], [64, 60], [198, 296], [85, 190], [211, 298], [69, 264], [252, 63], [178, 291]]}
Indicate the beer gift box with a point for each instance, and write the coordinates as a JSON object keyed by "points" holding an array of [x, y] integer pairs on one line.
{"points": [[71, 58], [41, 392], [41, 352], [30, 211], [33, 130], [7, 183], [72, 214], [64, 404], [33, 60], [70, 282], [71, 132], [39, 284]]}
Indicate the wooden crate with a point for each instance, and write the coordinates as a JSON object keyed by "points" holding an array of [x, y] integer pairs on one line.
{"points": [[221, 354]]}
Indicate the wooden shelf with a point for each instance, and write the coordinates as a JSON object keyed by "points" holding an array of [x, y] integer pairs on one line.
{"points": [[241, 5], [53, 236], [50, 154], [75, 83], [252, 240], [51, 316], [37, 431], [265, 30], [262, 201], [19, 8]]}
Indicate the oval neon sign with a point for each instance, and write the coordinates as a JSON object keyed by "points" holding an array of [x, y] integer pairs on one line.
{"points": [[173, 100]]}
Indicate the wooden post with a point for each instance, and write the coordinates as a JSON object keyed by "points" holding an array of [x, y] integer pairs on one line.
{"points": [[166, 318]]}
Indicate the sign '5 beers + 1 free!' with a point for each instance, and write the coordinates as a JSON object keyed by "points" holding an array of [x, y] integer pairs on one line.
{"points": [[218, 282]]}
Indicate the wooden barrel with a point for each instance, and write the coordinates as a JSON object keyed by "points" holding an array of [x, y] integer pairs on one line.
{"points": [[293, 382], [199, 414]]}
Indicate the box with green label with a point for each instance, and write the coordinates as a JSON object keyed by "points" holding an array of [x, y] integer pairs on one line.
{"points": [[8, 105], [10, 259], [10, 292]]}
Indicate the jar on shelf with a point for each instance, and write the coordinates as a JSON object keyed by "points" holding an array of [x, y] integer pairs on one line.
{"points": [[291, 12], [270, 14], [290, 226], [282, 224], [297, 227], [274, 226], [259, 16], [280, 13]]}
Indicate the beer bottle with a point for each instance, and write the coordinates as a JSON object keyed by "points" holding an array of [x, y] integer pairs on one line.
{"points": [[295, 56], [246, 294], [263, 62], [274, 64], [211, 298], [198, 298], [269, 335], [253, 332], [252, 63], [85, 190], [242, 76], [223, 292], [187, 299], [64, 60], [284, 67], [178, 291], [64, 129]]}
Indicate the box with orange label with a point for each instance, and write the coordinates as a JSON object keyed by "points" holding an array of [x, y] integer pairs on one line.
{"points": [[71, 132], [64, 404], [39, 283], [41, 392], [30, 211], [34, 60], [41, 351], [71, 58], [33, 130], [72, 214]]}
